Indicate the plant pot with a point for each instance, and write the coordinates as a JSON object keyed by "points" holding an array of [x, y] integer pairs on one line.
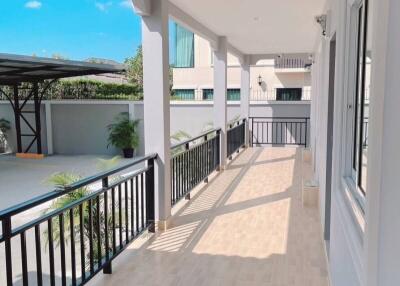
{"points": [[128, 152]]}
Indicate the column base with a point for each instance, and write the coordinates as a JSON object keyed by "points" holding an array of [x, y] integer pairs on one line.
{"points": [[161, 225]]}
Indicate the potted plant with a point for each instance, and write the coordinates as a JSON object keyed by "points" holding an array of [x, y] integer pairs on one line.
{"points": [[123, 134], [4, 127]]}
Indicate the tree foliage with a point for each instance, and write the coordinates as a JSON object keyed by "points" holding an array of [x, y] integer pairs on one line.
{"points": [[135, 68]]}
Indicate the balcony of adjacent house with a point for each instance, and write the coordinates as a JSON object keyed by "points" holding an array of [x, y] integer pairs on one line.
{"points": [[293, 64]]}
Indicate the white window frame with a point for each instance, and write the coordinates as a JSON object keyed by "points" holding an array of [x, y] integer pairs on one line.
{"points": [[349, 175]]}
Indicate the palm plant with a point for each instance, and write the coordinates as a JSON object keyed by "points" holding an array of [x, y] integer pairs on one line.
{"points": [[60, 181], [123, 134]]}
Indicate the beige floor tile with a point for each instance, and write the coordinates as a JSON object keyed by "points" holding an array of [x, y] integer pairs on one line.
{"points": [[247, 227]]}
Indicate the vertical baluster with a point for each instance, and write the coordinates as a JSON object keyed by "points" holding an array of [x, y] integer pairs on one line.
{"points": [[91, 258], [132, 211], [181, 176], [197, 165], [72, 238], [172, 181], [126, 213], [286, 133], [305, 141], [51, 252], [114, 234], [179, 191], [142, 199], [106, 235], [301, 134], [62, 249], [6, 227], [38, 256], [82, 242], [98, 231], [184, 190], [120, 215], [24, 259], [150, 194], [137, 203]]}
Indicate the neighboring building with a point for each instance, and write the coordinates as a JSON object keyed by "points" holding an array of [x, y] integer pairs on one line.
{"points": [[280, 78]]}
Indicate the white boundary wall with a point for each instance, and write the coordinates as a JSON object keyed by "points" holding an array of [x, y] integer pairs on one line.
{"points": [[80, 127]]}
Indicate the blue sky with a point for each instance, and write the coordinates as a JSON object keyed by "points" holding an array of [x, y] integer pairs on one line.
{"points": [[76, 29]]}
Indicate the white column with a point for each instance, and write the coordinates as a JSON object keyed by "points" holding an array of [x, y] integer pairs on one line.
{"points": [[245, 95], [220, 82], [383, 197], [156, 103], [49, 128]]}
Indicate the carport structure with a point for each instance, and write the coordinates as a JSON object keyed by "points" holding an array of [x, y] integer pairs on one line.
{"points": [[29, 78]]}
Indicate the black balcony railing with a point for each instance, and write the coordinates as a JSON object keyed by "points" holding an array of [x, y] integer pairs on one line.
{"points": [[192, 162], [87, 233], [279, 131], [236, 137], [291, 63]]}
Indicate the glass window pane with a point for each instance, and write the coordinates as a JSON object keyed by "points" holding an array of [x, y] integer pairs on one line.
{"points": [[184, 47], [288, 94], [364, 122], [364, 62], [233, 94], [184, 94], [208, 94]]}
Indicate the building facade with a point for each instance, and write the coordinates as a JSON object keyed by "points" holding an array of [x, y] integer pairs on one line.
{"points": [[282, 78]]}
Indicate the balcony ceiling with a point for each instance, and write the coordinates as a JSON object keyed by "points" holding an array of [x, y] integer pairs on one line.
{"points": [[260, 26]]}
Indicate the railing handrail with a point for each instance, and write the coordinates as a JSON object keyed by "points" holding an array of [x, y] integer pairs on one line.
{"points": [[236, 123], [21, 207], [277, 117], [195, 138]]}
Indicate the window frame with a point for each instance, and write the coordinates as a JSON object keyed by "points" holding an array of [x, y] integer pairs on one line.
{"points": [[282, 89], [186, 89], [350, 176]]}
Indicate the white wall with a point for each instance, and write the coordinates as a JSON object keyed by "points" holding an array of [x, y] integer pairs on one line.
{"points": [[80, 127], [364, 245]]}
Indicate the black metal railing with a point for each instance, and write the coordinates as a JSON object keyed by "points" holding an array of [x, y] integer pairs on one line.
{"points": [[279, 131], [236, 137], [290, 63], [192, 162], [84, 236]]}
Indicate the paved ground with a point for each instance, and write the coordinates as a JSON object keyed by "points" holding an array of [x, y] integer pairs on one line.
{"points": [[248, 227], [24, 179]]}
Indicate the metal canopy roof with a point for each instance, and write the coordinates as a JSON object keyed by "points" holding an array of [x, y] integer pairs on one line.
{"points": [[15, 69]]}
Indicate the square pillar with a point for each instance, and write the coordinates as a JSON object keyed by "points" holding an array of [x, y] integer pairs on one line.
{"points": [[156, 104], [245, 95], [220, 94]]}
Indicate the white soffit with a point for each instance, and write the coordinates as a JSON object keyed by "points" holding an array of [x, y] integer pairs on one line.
{"points": [[259, 26]]}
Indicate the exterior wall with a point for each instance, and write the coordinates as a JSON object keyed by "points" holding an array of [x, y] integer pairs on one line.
{"points": [[81, 127], [201, 76], [202, 113], [355, 251], [345, 245]]}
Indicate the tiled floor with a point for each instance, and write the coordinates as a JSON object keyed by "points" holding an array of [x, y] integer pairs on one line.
{"points": [[247, 227]]}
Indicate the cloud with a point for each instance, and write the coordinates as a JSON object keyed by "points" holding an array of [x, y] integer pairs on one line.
{"points": [[103, 6], [126, 4], [33, 4]]}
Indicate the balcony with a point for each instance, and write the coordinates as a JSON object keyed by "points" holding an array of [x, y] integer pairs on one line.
{"points": [[292, 64], [247, 226]]}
